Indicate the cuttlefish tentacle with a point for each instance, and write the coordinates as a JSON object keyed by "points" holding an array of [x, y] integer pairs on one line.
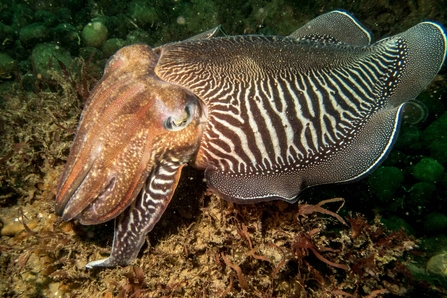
{"points": [[140, 217]]}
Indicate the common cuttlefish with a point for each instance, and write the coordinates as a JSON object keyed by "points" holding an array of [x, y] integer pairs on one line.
{"points": [[264, 116]]}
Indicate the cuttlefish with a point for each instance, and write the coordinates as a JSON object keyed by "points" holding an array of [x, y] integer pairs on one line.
{"points": [[264, 116]]}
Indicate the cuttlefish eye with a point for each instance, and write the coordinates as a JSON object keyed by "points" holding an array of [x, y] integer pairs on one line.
{"points": [[174, 123]]}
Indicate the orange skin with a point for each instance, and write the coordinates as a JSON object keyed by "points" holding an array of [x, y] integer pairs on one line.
{"points": [[122, 135]]}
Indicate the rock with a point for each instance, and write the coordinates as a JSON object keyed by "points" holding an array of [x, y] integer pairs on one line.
{"points": [[43, 53], [395, 223], [142, 13], [46, 17], [435, 222], [409, 137], [22, 16], [435, 139], [111, 46], [64, 15], [438, 149], [420, 193], [94, 34], [33, 34], [385, 181], [88, 52], [7, 36], [7, 66], [428, 170], [138, 36], [435, 130], [437, 266], [432, 103], [68, 37]]}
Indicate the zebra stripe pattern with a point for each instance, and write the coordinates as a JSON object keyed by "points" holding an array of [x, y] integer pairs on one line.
{"points": [[142, 215], [267, 118]]}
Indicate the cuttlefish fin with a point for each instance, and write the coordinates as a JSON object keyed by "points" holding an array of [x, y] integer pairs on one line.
{"points": [[367, 149], [140, 217], [335, 26], [214, 32]]}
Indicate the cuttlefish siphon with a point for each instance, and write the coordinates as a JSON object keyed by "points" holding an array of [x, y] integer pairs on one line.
{"points": [[264, 116]]}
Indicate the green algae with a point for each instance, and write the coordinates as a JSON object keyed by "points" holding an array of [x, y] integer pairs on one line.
{"points": [[385, 181], [94, 34], [435, 222], [7, 66], [428, 170]]}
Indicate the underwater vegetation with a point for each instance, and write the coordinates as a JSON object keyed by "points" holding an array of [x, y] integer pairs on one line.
{"points": [[203, 245]]}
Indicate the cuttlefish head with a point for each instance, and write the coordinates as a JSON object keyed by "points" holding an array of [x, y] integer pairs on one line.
{"points": [[132, 121]]}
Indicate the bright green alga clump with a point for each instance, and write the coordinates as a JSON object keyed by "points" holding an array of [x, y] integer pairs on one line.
{"points": [[428, 170], [385, 181], [94, 34]]}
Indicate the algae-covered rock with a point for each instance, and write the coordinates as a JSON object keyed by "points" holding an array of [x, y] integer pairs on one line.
{"points": [[435, 138], [438, 149], [44, 53], [142, 13], [437, 266], [385, 181], [420, 193], [89, 52], [111, 46], [396, 223], [432, 103], [7, 36], [7, 66], [33, 34], [67, 36], [47, 18], [428, 170], [94, 34], [22, 16], [436, 129], [397, 157], [64, 14], [138, 36], [435, 222], [434, 244], [409, 138], [116, 27]]}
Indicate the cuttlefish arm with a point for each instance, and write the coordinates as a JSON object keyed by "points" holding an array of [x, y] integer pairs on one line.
{"points": [[135, 134], [139, 218]]}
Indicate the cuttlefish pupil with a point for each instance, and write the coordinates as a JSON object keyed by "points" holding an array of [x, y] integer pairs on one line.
{"points": [[264, 116], [176, 124]]}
